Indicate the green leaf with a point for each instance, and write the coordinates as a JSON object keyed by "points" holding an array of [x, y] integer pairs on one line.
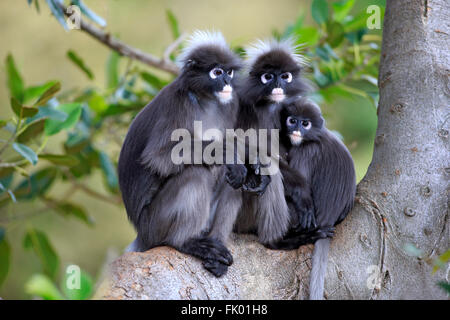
{"points": [[153, 80], [41, 286], [355, 23], [444, 285], [39, 243], [341, 9], [5, 256], [32, 131], [85, 290], [112, 70], [319, 11], [73, 111], [48, 113], [308, 35], [355, 37], [173, 23], [98, 104], [22, 111], [36, 5], [336, 34], [48, 94], [109, 170], [16, 106], [68, 209], [15, 82], [60, 160], [32, 93], [3, 123], [37, 184], [321, 79], [72, 55], [26, 152]]}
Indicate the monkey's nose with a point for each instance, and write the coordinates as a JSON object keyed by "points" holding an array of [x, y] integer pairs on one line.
{"points": [[277, 91], [227, 89], [297, 134]]}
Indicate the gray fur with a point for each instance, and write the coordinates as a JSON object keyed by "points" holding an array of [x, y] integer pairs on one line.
{"points": [[168, 203], [272, 211], [266, 215], [319, 269]]}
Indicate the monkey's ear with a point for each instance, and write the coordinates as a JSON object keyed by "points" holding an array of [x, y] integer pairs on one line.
{"points": [[190, 63]]}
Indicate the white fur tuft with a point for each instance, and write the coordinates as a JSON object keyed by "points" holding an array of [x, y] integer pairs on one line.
{"points": [[200, 38], [261, 47]]}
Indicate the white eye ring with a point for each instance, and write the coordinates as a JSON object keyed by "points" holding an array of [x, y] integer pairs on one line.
{"points": [[231, 73], [306, 124], [264, 79], [214, 73], [287, 76], [291, 121]]}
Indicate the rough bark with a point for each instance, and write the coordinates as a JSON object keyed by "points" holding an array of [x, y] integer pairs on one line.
{"points": [[402, 199], [164, 273]]}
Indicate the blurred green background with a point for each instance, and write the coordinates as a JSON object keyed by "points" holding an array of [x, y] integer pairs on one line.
{"points": [[39, 45]]}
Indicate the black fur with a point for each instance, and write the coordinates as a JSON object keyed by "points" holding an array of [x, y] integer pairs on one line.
{"points": [[169, 204], [320, 170]]}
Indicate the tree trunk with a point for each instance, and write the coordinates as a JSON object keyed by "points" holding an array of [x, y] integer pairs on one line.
{"points": [[402, 200]]}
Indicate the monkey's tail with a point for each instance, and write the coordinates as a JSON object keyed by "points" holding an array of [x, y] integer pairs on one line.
{"points": [[319, 268]]}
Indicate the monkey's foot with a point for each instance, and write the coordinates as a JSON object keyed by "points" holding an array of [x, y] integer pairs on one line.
{"points": [[294, 240], [215, 267], [306, 220], [206, 248]]}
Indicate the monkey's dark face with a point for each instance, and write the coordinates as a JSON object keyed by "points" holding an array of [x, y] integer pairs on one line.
{"points": [[301, 122], [209, 72], [274, 77]]}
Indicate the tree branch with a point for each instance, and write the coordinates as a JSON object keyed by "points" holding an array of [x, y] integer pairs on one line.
{"points": [[126, 50]]}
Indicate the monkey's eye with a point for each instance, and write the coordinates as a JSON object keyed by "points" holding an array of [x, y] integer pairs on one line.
{"points": [[230, 73], [291, 121], [287, 76], [216, 72], [306, 124], [266, 77]]}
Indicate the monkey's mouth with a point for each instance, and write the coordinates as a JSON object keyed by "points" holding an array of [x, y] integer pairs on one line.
{"points": [[226, 94], [296, 137], [277, 95]]}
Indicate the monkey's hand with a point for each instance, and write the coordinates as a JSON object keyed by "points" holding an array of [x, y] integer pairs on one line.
{"points": [[236, 174], [256, 184], [293, 240], [304, 209]]}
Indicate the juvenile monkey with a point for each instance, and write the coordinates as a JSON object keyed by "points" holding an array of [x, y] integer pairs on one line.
{"points": [[319, 179]]}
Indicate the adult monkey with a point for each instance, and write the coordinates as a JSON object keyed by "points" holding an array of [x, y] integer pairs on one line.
{"points": [[274, 73], [168, 203]]}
